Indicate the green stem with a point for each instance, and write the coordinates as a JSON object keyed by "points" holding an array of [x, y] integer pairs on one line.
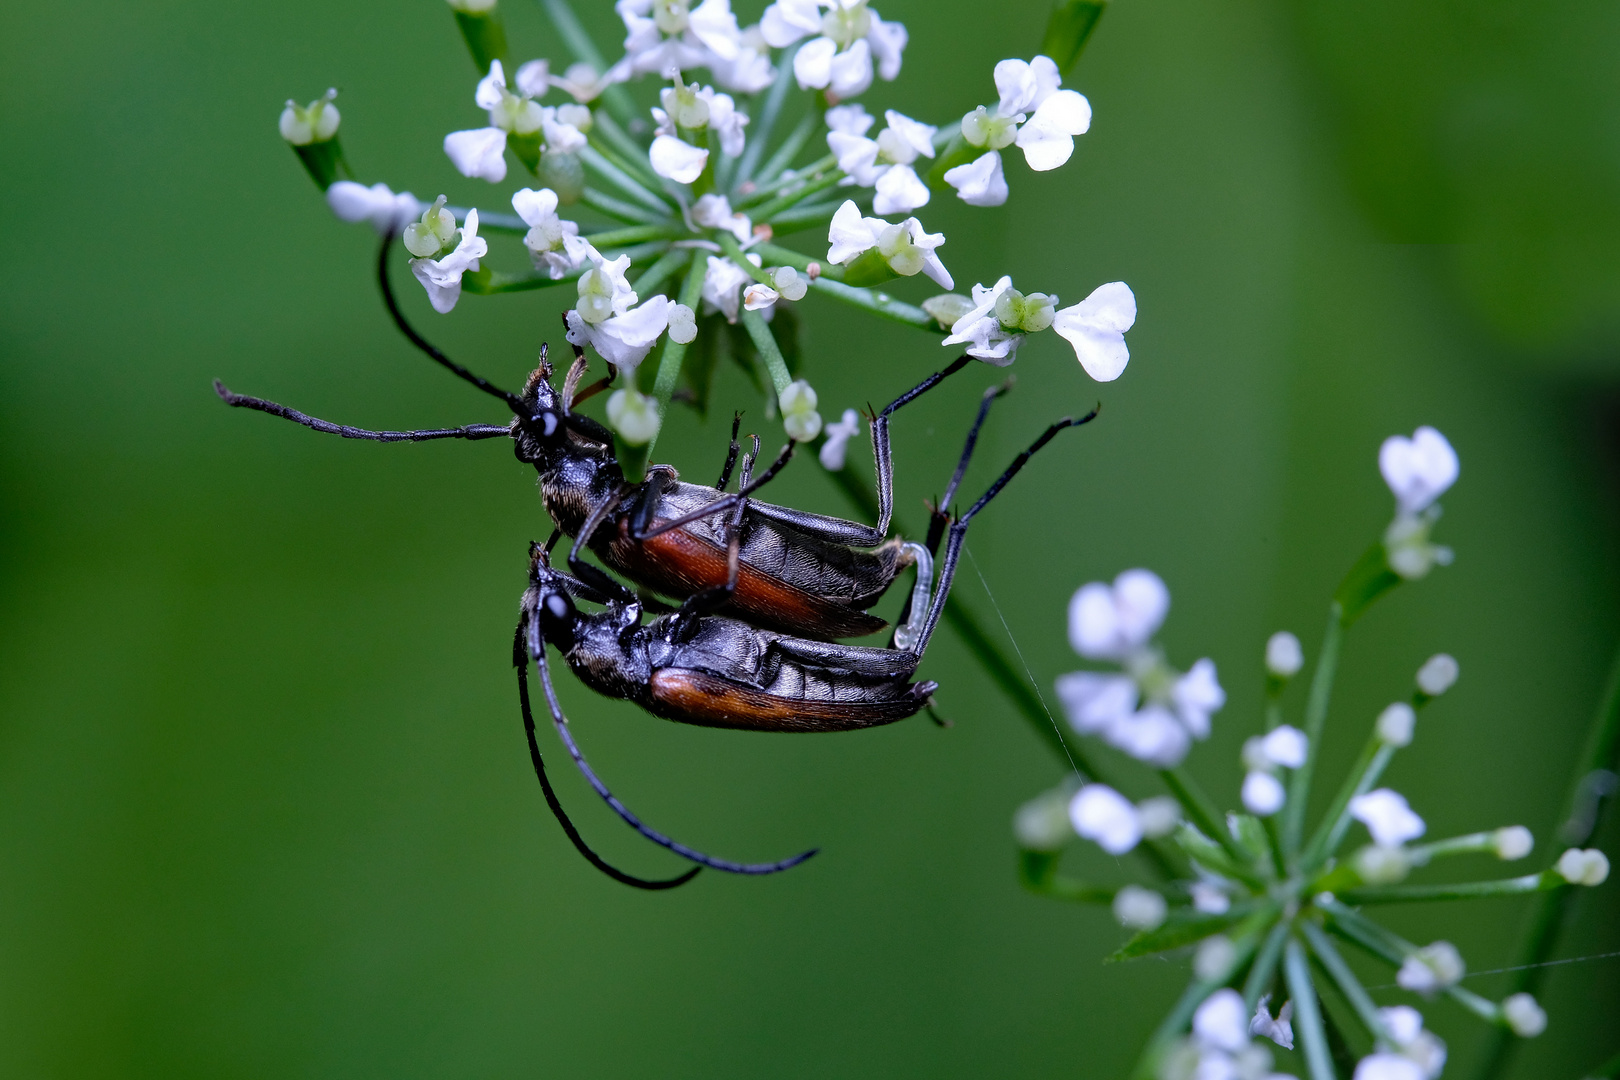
{"points": [[630, 213], [1393, 950], [765, 122], [629, 154], [1606, 1071], [1202, 811], [775, 255], [790, 146], [1316, 706], [659, 272], [1472, 844], [1336, 822], [787, 201], [615, 97], [674, 354], [1473, 890], [633, 234], [787, 179], [1582, 821], [1265, 967], [1307, 1012], [622, 180], [1037, 872], [492, 221], [1345, 980], [801, 218], [529, 280], [760, 331], [735, 253], [878, 303]]}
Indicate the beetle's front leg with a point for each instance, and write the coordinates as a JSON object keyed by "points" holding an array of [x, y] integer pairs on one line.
{"points": [[593, 576]]}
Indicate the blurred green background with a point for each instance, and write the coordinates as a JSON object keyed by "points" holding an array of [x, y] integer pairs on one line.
{"points": [[265, 808]]}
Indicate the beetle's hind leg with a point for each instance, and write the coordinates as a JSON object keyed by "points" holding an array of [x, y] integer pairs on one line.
{"points": [[731, 454], [712, 599]]}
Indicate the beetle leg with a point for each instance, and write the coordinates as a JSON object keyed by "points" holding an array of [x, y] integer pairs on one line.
{"points": [[684, 621], [882, 454], [538, 655], [593, 576], [520, 660], [935, 717], [731, 454]]}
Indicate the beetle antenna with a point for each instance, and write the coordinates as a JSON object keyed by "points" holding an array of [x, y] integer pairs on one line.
{"points": [[470, 431], [538, 654], [422, 343], [556, 804]]}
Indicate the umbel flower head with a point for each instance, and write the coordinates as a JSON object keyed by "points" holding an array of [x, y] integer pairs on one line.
{"points": [[1032, 114]]}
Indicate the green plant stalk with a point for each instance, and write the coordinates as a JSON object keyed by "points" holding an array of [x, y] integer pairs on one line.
{"points": [[674, 352], [629, 185], [800, 218], [629, 213], [776, 255], [1393, 950], [1316, 706], [484, 35], [784, 155], [498, 282], [660, 271], [615, 97], [491, 221], [1345, 979], [760, 331], [646, 178], [628, 151], [1606, 1071], [1547, 918], [1307, 1012], [1362, 776], [768, 113], [1264, 968], [1037, 872], [878, 303], [735, 253], [1473, 890], [767, 211], [1472, 844], [795, 176], [1202, 811], [632, 234]]}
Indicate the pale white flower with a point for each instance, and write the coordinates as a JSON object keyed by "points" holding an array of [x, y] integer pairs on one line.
{"points": [[1584, 866], [677, 160], [1404, 1025], [1139, 909], [750, 71], [1418, 470], [1438, 674], [1111, 622], [1222, 1021], [836, 446], [548, 233], [1042, 823], [905, 247], [722, 285], [1159, 816], [1524, 1016], [1104, 816], [533, 78], [1216, 956], [701, 108], [1096, 703], [316, 122], [1152, 735], [846, 37], [604, 290], [757, 297], [441, 277], [1196, 696], [1408, 548], [479, 153], [1388, 1066], [682, 324], [1263, 794], [376, 205], [581, 81], [1431, 969], [1033, 114], [634, 416], [799, 415], [1285, 745], [714, 212], [1387, 816], [980, 182], [624, 339], [1096, 328], [1210, 897], [885, 162], [995, 325], [1396, 724], [671, 35], [1378, 865], [1280, 1030], [1284, 657], [1512, 842]]}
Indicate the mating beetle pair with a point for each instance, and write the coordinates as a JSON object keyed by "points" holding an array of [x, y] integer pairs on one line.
{"points": [[765, 590]]}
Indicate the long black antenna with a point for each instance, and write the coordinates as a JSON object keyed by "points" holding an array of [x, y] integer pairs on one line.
{"points": [[422, 343], [287, 412]]}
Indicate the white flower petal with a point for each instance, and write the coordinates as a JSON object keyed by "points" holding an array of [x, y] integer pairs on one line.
{"points": [[1153, 736], [856, 155], [848, 234], [1418, 470], [1387, 816], [492, 87], [888, 40], [1222, 1021], [850, 72], [899, 190], [1285, 745], [1196, 695], [1095, 702], [835, 448], [812, 64], [1016, 85], [1386, 1066], [534, 78], [1263, 794], [712, 23], [980, 182], [676, 160], [787, 21], [917, 135], [1096, 328], [1104, 816], [479, 153], [849, 119], [1047, 138], [535, 207]]}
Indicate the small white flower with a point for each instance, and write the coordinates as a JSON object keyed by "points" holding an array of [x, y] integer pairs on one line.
{"points": [[1284, 657], [479, 153], [905, 247], [1159, 816], [1152, 736], [884, 163], [981, 182], [1042, 823], [846, 37], [700, 108], [1263, 794], [1096, 328], [1438, 674], [1584, 867], [1215, 957], [1104, 816], [634, 416], [1418, 470], [722, 285], [1524, 1016], [1512, 842], [1387, 1066], [1285, 745], [995, 325], [1404, 1026], [714, 212], [377, 205], [1033, 114], [581, 81], [548, 233], [1095, 702], [665, 35], [682, 324], [623, 339], [1382, 865], [757, 297], [316, 122], [834, 449], [1280, 1030], [1387, 816], [1402, 1022], [1139, 909], [799, 416], [1196, 696], [789, 284], [1396, 724], [677, 160], [1408, 548], [1210, 898], [441, 277], [604, 291], [1431, 969], [748, 72], [1110, 622], [1222, 1021]]}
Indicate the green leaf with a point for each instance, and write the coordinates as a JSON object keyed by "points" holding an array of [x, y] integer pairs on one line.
{"points": [[485, 37], [1173, 935], [1251, 837], [1069, 28], [1367, 580], [1209, 854]]}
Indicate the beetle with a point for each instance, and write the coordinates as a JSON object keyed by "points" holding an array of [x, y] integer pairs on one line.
{"points": [[805, 574], [716, 671]]}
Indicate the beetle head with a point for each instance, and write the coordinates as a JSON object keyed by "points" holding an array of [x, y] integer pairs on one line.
{"points": [[547, 432]]}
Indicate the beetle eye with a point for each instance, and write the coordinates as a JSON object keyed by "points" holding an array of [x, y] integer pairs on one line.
{"points": [[557, 618], [548, 423]]}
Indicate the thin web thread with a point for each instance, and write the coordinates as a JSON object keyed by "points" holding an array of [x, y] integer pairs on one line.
{"points": [[1521, 967], [1030, 674]]}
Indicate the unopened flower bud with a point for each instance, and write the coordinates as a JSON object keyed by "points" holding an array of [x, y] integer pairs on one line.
{"points": [[1524, 1017], [1431, 969], [789, 285], [634, 416], [983, 128], [947, 308], [1395, 724], [312, 123], [759, 297], [1379, 865], [1158, 816], [1587, 866], [799, 414], [1214, 958], [1284, 657], [1407, 546], [1263, 794], [1042, 824], [682, 324], [1437, 675], [1512, 842], [436, 231], [576, 116], [895, 245], [1137, 908]]}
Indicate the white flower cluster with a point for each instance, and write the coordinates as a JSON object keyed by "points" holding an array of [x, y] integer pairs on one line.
{"points": [[1220, 1045], [845, 38], [1418, 471], [1033, 114], [607, 316], [994, 323], [481, 152], [1409, 1053], [1149, 709]]}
